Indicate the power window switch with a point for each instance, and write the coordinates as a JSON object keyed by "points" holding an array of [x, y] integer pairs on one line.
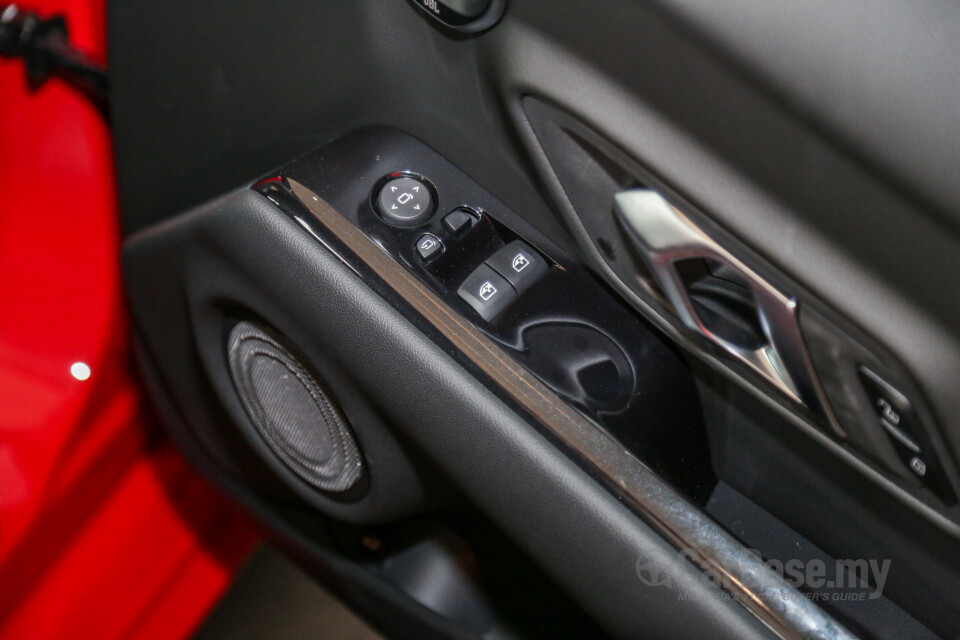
{"points": [[519, 264], [487, 292]]}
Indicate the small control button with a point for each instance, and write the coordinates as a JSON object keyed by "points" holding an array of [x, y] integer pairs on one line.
{"points": [[429, 247], [519, 264], [918, 466], [897, 434], [487, 292], [896, 416], [405, 201], [458, 222], [888, 403]]}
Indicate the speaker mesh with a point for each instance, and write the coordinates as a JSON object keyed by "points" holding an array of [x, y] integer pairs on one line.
{"points": [[292, 410]]}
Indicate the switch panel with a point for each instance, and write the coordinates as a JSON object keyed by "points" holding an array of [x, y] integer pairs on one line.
{"points": [[565, 328]]}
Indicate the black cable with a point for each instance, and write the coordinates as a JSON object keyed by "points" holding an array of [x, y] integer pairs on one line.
{"points": [[45, 48]]}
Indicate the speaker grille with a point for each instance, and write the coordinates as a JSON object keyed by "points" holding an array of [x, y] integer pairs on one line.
{"points": [[292, 409]]}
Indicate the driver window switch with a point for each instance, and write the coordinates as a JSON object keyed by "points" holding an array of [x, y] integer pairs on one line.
{"points": [[519, 264], [487, 292]]}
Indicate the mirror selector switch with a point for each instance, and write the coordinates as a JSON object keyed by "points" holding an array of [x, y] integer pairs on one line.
{"points": [[487, 292], [405, 201], [519, 264]]}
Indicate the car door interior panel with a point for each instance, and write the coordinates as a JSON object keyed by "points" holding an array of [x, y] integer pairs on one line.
{"points": [[449, 413], [559, 318]]}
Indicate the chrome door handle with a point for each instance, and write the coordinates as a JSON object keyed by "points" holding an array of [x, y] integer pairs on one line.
{"points": [[666, 238]]}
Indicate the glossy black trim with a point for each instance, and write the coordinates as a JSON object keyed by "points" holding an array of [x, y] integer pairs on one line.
{"points": [[568, 329]]}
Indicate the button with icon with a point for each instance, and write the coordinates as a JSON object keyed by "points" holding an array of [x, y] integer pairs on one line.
{"points": [[429, 247], [487, 292], [405, 201], [519, 264]]}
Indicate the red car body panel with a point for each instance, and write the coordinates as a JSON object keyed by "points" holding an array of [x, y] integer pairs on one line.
{"points": [[104, 531]]}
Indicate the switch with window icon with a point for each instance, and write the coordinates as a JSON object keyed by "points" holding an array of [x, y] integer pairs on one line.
{"points": [[519, 264], [487, 292]]}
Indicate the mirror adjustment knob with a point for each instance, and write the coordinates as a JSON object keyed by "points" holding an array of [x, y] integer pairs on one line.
{"points": [[405, 201]]}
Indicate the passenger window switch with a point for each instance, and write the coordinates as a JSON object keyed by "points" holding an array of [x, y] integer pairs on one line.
{"points": [[519, 264], [487, 292]]}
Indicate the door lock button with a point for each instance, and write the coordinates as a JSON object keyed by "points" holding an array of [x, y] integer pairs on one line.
{"points": [[487, 292], [519, 264], [429, 247], [405, 201]]}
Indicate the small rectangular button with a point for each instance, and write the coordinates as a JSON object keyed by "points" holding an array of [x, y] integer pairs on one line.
{"points": [[888, 403], [458, 222], [519, 264], [487, 292]]}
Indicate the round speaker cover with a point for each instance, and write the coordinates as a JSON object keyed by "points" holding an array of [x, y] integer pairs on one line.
{"points": [[292, 409]]}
